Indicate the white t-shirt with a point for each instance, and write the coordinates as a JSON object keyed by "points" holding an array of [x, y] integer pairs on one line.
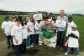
{"points": [[73, 42], [60, 23], [25, 32], [69, 26], [63, 19], [6, 26], [12, 25], [37, 28], [17, 32], [30, 25]]}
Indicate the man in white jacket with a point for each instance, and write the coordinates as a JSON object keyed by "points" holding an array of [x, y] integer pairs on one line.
{"points": [[73, 36]]}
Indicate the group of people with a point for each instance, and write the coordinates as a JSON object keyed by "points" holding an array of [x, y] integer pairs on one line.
{"points": [[21, 33]]}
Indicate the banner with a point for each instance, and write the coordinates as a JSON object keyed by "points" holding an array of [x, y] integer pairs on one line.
{"points": [[37, 16]]}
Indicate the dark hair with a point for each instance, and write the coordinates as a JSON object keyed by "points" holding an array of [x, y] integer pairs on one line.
{"points": [[45, 17], [6, 18], [20, 18], [70, 18], [22, 23]]}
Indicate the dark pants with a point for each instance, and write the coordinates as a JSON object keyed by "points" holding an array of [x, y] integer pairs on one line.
{"points": [[9, 40], [34, 38], [24, 45], [60, 38], [17, 49]]}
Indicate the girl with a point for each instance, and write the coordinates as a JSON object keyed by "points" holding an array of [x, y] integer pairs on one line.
{"points": [[17, 37], [13, 22], [24, 25], [31, 30]]}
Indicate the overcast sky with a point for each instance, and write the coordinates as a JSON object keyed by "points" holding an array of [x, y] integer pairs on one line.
{"points": [[76, 6]]}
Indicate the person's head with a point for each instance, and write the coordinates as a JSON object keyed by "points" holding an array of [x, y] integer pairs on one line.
{"points": [[6, 18], [20, 18], [18, 22], [45, 18], [61, 13], [32, 20], [38, 21], [74, 27], [14, 18], [24, 22], [30, 16], [70, 19]]}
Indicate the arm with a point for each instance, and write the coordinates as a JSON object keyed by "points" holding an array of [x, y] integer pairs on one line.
{"points": [[73, 35], [13, 31]]}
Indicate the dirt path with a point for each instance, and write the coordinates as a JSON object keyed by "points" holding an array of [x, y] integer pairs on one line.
{"points": [[37, 51]]}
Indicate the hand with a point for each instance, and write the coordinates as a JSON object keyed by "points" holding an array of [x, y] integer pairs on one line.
{"points": [[16, 41]]}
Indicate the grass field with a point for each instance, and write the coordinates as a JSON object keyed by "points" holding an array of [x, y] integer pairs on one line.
{"points": [[79, 20]]}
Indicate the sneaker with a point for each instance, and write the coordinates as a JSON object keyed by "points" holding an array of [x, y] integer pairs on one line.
{"points": [[66, 53], [31, 46], [78, 55], [28, 47]]}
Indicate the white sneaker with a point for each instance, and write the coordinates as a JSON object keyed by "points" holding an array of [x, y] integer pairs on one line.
{"points": [[66, 53], [28, 47], [31, 46]]}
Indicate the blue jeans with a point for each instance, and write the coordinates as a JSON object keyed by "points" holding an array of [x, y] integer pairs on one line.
{"points": [[60, 38], [76, 49], [9, 40], [28, 41]]}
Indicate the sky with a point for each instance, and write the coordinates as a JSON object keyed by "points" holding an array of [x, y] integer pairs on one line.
{"points": [[70, 6]]}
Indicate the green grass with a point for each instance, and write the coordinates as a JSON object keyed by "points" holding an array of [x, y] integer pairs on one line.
{"points": [[79, 20]]}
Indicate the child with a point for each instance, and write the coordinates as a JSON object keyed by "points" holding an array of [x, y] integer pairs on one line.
{"points": [[73, 36], [38, 30], [31, 30], [13, 22], [24, 25], [70, 23], [6, 27], [17, 37]]}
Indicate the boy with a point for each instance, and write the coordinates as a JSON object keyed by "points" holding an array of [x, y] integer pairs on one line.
{"points": [[6, 27], [73, 36]]}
